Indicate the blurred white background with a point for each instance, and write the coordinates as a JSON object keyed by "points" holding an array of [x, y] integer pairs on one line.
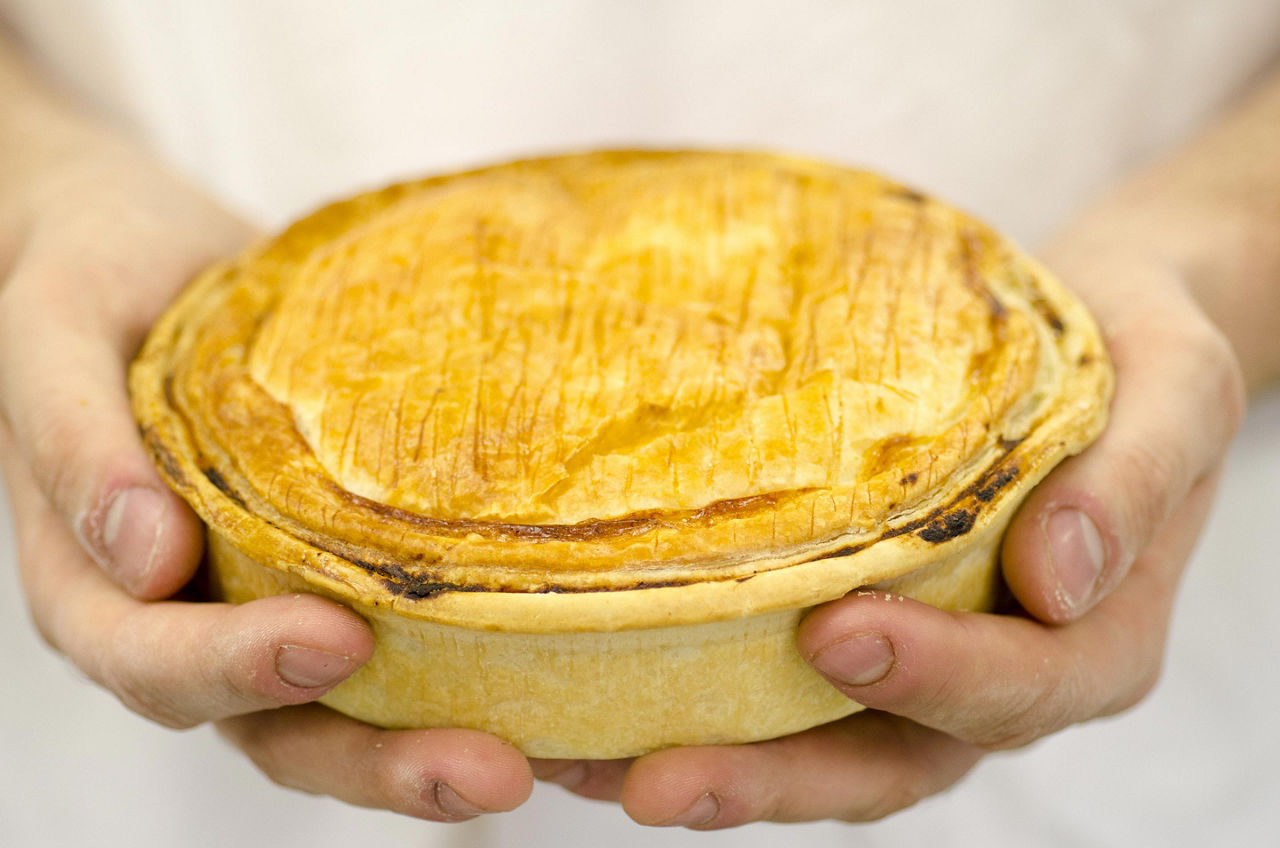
{"points": [[1018, 111]]}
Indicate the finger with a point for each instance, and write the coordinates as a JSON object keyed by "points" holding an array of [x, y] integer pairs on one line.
{"points": [[77, 432], [178, 664], [184, 664], [599, 780], [106, 250], [442, 775], [1179, 398], [860, 769], [1003, 681]]}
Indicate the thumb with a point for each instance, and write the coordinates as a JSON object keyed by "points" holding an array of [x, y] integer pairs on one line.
{"points": [[65, 399], [1179, 399], [69, 323]]}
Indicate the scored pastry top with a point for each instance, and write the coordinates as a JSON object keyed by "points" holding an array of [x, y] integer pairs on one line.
{"points": [[617, 369]]}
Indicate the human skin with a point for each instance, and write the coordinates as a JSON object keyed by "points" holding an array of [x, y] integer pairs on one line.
{"points": [[1181, 265], [95, 239]]}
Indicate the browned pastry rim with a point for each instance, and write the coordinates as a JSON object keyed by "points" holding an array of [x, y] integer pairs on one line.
{"points": [[1032, 393]]}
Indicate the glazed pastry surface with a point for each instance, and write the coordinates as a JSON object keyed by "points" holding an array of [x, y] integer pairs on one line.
{"points": [[614, 371]]}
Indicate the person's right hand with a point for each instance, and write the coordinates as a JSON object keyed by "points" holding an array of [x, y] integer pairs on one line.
{"points": [[92, 247]]}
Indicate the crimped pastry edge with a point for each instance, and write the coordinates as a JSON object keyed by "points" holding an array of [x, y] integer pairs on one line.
{"points": [[825, 571]]}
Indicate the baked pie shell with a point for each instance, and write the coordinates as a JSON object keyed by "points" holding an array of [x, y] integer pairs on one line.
{"points": [[618, 662]]}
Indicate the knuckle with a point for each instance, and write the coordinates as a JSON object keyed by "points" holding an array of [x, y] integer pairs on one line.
{"points": [[238, 665], [52, 444], [898, 788], [129, 681], [1154, 479], [241, 684], [1047, 710], [140, 696], [229, 661]]}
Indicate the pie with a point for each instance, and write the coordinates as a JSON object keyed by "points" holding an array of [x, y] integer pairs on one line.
{"points": [[582, 437]]}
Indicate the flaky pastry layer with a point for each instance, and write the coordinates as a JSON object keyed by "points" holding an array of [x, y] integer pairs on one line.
{"points": [[619, 371]]}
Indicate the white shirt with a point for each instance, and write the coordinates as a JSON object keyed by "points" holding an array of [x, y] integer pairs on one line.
{"points": [[1020, 111]]}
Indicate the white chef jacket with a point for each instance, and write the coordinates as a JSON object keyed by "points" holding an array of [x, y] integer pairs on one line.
{"points": [[1020, 111]]}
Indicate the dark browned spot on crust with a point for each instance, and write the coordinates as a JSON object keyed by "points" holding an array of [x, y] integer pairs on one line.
{"points": [[418, 587], [1085, 360], [995, 482], [910, 479], [220, 483], [953, 519], [949, 525], [164, 458], [415, 586], [626, 587], [847, 550], [1050, 316], [908, 194]]}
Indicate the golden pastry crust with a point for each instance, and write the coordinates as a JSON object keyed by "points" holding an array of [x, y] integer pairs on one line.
{"points": [[619, 390]]}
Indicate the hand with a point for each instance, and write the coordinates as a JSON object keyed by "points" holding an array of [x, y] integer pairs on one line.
{"points": [[1094, 557], [92, 248]]}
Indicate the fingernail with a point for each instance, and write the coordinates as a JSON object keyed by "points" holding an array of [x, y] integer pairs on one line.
{"points": [[131, 533], [452, 804], [701, 812], [308, 668], [1077, 554], [860, 660]]}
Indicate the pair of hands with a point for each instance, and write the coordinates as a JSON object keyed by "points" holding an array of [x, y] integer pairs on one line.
{"points": [[90, 255]]}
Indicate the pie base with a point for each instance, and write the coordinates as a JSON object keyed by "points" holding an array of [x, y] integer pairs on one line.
{"points": [[604, 694]]}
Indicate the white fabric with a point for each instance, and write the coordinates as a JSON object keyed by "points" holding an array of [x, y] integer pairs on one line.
{"points": [[1017, 110]]}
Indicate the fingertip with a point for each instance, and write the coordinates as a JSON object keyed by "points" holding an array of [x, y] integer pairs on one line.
{"points": [[325, 622], [680, 787], [312, 622], [286, 650], [1059, 557], [145, 538], [444, 775], [874, 651], [466, 773], [866, 625]]}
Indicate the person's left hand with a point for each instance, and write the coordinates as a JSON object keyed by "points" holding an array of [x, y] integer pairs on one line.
{"points": [[1094, 558], [93, 245]]}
